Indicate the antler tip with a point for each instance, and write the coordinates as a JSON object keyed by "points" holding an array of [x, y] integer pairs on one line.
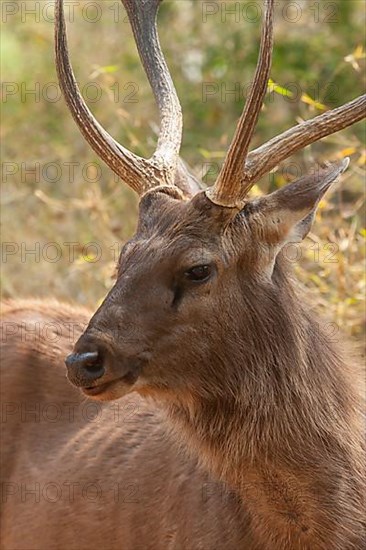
{"points": [[345, 164]]}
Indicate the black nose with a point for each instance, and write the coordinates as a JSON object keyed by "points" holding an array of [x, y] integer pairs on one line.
{"points": [[84, 368]]}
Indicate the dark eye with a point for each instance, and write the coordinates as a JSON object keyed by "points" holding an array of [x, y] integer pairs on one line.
{"points": [[199, 273]]}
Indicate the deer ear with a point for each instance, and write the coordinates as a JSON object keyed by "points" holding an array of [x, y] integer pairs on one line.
{"points": [[286, 216]]}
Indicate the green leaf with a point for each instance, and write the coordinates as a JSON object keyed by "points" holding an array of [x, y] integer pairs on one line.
{"points": [[273, 87]]}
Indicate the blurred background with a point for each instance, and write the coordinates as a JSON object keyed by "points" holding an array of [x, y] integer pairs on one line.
{"points": [[65, 215]]}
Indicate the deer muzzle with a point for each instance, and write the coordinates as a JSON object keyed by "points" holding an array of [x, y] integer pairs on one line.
{"points": [[84, 368], [96, 371]]}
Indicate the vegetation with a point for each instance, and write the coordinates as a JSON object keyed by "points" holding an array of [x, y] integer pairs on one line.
{"points": [[58, 199]]}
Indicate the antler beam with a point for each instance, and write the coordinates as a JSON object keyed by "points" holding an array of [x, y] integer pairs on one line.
{"points": [[142, 16]]}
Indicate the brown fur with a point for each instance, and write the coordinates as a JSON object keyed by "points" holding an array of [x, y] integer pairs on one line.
{"points": [[152, 495], [237, 370]]}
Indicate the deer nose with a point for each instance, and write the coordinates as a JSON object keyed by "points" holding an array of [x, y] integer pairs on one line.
{"points": [[84, 368]]}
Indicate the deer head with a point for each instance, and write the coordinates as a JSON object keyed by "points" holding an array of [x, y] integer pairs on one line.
{"points": [[203, 284]]}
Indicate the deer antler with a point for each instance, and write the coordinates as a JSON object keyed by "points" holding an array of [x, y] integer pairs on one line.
{"points": [[228, 185], [241, 170], [267, 156], [164, 167]]}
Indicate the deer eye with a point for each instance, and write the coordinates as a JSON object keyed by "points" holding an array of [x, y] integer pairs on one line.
{"points": [[198, 273]]}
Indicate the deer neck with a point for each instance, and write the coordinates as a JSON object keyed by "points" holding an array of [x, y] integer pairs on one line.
{"points": [[286, 434]]}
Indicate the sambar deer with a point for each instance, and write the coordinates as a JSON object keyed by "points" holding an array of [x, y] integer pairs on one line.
{"points": [[247, 427]]}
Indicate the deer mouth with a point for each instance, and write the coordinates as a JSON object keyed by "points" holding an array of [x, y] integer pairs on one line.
{"points": [[113, 389]]}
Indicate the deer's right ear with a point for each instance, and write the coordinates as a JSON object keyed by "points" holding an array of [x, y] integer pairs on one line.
{"points": [[154, 205], [286, 215]]}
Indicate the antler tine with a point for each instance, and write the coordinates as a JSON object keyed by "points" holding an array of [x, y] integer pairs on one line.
{"points": [[139, 173], [230, 188], [267, 156], [142, 16]]}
